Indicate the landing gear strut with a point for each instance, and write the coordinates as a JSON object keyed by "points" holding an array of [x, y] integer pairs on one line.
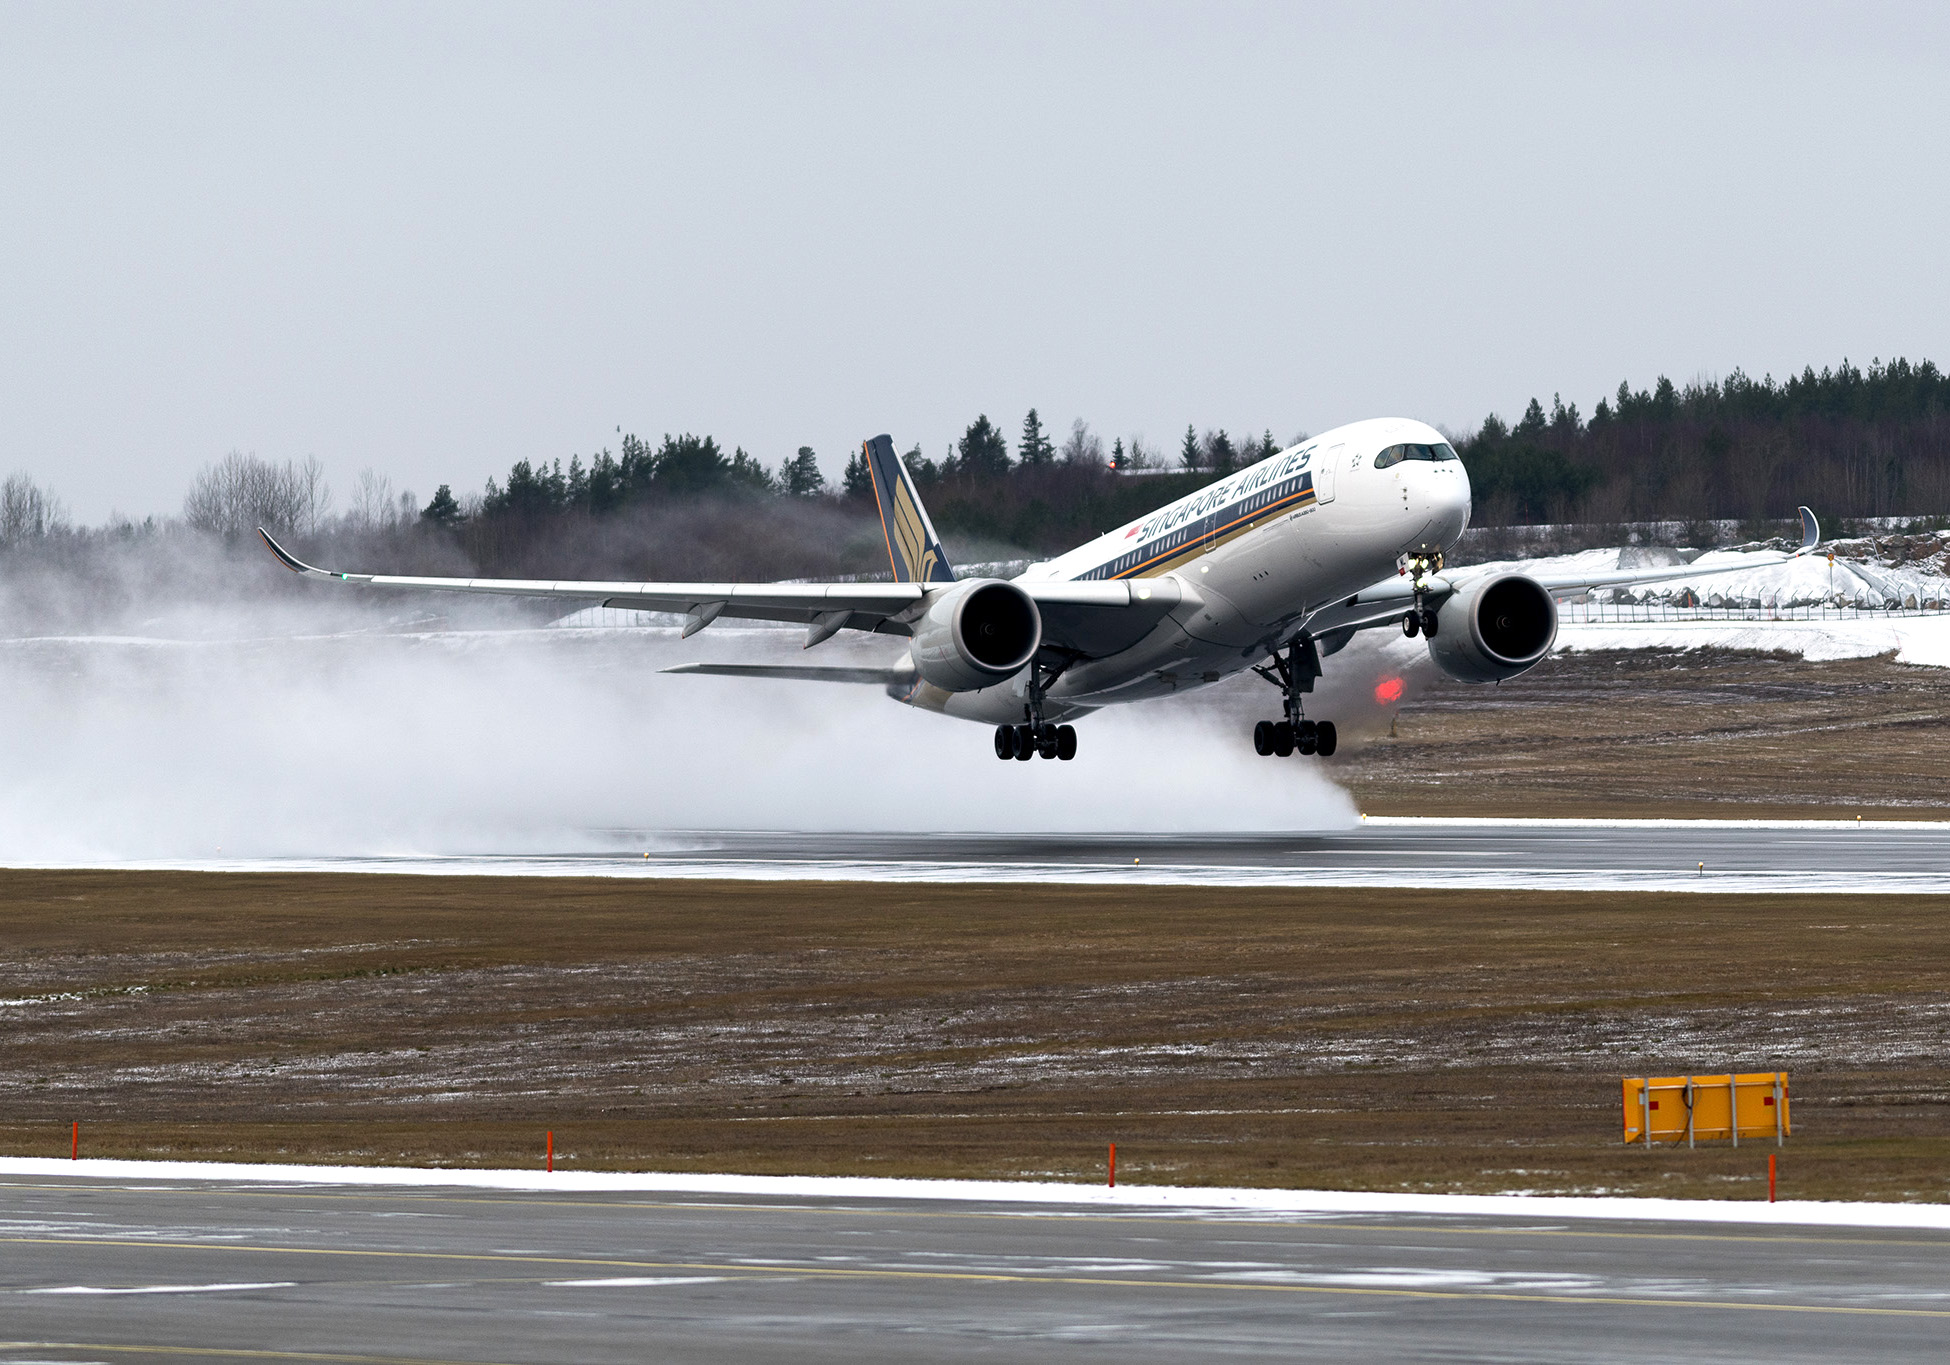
{"points": [[1036, 736], [1421, 619], [1294, 673]]}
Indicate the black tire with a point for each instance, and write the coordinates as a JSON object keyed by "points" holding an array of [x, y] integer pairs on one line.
{"points": [[1066, 742], [1327, 738], [1282, 739], [1025, 746], [1411, 625], [1263, 738], [1306, 737], [1005, 741], [1046, 741], [1429, 625]]}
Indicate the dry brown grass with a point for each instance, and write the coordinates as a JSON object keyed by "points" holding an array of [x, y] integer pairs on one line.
{"points": [[1380, 1039], [1696, 734]]}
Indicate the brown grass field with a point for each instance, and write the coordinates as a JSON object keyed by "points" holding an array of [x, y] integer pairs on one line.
{"points": [[1374, 1039], [1696, 734]]}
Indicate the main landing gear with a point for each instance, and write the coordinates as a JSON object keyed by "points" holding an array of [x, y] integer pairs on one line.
{"points": [[1036, 736], [1029, 741], [1294, 673]]}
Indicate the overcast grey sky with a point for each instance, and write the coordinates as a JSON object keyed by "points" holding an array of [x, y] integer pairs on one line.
{"points": [[435, 239]]}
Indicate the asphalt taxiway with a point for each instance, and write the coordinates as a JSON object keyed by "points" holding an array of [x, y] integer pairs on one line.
{"points": [[119, 1269]]}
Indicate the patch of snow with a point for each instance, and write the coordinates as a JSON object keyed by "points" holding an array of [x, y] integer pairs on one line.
{"points": [[1200, 1200]]}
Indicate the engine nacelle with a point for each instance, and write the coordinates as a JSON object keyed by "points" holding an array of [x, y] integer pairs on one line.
{"points": [[975, 634], [1494, 628]]}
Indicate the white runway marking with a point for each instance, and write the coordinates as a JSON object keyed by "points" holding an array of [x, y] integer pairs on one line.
{"points": [[162, 1288]]}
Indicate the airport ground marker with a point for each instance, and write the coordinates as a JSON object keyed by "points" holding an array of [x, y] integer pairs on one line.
{"points": [[1113, 1165], [74, 1142], [551, 1149]]}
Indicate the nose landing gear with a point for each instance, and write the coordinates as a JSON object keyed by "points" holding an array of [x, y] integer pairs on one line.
{"points": [[1294, 674]]}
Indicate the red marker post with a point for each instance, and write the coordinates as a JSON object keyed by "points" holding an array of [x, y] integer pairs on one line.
{"points": [[551, 1149], [1113, 1165], [1770, 1177], [74, 1145]]}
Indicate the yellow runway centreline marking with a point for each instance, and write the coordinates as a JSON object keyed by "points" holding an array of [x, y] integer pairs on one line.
{"points": [[1245, 1219], [983, 1277]]}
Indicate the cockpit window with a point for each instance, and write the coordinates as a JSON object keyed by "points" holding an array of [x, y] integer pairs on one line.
{"points": [[1441, 450]]}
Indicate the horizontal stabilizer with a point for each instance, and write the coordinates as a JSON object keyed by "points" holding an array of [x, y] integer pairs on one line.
{"points": [[799, 673]]}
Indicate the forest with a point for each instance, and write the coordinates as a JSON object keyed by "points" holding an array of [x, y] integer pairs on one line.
{"points": [[1855, 443]]}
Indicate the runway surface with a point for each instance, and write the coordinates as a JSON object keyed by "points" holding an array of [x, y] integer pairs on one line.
{"points": [[113, 1270], [1647, 855]]}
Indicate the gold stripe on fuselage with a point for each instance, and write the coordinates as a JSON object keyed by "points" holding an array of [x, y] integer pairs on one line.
{"points": [[1212, 540]]}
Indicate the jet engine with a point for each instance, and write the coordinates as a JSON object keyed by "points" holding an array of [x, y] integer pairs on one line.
{"points": [[975, 634], [1494, 628]]}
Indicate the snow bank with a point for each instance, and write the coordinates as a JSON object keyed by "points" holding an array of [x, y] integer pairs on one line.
{"points": [[1318, 1203]]}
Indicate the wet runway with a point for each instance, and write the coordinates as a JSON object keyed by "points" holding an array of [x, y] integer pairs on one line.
{"points": [[1650, 855], [119, 1270]]}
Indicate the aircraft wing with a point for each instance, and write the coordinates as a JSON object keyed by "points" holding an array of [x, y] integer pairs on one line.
{"points": [[868, 606], [1081, 619]]}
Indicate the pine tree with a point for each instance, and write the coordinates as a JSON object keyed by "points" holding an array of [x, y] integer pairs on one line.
{"points": [[1035, 450], [1225, 458], [857, 482], [1190, 454], [982, 454], [799, 477], [441, 510]]}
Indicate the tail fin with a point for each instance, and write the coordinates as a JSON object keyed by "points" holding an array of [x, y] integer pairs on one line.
{"points": [[912, 545]]}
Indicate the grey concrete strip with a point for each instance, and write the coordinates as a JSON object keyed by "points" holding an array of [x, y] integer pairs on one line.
{"points": [[463, 1276]]}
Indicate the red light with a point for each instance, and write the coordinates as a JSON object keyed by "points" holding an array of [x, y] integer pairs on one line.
{"points": [[1388, 691]]}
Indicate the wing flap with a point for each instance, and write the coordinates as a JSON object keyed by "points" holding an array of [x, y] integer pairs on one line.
{"points": [[799, 673]]}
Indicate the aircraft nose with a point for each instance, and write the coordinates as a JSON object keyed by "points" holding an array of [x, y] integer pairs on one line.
{"points": [[1449, 504]]}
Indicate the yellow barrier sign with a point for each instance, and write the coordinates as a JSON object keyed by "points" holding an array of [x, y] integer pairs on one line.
{"points": [[1752, 1104]]}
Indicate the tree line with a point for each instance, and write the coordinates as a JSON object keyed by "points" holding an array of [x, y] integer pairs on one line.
{"points": [[1851, 442]]}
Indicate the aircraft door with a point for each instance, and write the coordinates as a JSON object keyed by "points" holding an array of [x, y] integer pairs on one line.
{"points": [[1325, 467]]}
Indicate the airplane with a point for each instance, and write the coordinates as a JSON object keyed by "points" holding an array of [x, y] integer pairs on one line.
{"points": [[1273, 568]]}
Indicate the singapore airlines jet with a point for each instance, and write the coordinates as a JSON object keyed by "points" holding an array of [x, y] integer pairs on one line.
{"points": [[1273, 568]]}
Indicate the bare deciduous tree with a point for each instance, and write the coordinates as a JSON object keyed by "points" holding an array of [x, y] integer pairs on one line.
{"points": [[1083, 446], [27, 511], [239, 493]]}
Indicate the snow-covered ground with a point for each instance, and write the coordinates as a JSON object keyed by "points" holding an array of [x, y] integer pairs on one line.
{"points": [[1884, 597], [1191, 1200]]}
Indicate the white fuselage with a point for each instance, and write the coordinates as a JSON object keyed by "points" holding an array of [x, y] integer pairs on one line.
{"points": [[1253, 555]]}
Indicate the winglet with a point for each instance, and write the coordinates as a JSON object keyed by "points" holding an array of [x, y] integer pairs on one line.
{"points": [[913, 548], [1810, 532], [298, 566]]}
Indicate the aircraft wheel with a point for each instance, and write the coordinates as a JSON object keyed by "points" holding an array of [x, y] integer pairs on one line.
{"points": [[1046, 741], [1306, 737], [1025, 745], [1327, 738], [1428, 625], [1066, 742], [1411, 625], [1005, 741], [1263, 738], [1282, 739]]}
